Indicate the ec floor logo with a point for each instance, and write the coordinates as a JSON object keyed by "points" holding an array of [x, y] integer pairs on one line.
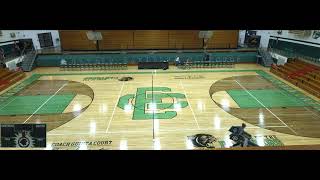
{"points": [[163, 103]]}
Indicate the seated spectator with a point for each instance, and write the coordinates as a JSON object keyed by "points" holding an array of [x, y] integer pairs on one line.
{"points": [[63, 62], [177, 61], [206, 57]]}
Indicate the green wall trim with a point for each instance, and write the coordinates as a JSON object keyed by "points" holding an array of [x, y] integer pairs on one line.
{"points": [[131, 58]]}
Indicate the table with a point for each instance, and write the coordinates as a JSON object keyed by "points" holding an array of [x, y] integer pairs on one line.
{"points": [[153, 65]]}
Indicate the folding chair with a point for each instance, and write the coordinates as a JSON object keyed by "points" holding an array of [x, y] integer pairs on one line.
{"points": [[62, 67], [78, 66], [203, 64], [210, 64], [81, 66], [189, 65], [68, 66], [195, 64], [100, 66], [90, 66], [224, 62], [122, 66], [218, 62], [95, 66], [110, 65], [73, 66], [104, 66]]}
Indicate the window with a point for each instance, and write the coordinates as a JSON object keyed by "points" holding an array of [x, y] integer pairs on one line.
{"points": [[45, 40]]}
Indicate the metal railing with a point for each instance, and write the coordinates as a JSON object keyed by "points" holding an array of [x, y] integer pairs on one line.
{"points": [[295, 55], [28, 60], [265, 56]]}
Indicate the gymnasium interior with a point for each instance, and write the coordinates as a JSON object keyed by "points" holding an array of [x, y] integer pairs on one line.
{"points": [[160, 89]]}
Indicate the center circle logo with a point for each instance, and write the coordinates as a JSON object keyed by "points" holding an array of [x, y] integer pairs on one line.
{"points": [[24, 142]]}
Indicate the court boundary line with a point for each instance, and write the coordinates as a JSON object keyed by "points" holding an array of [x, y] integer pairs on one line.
{"points": [[114, 109], [265, 106], [177, 72], [9, 102], [167, 130], [194, 116], [288, 84], [305, 107], [45, 102], [14, 86]]}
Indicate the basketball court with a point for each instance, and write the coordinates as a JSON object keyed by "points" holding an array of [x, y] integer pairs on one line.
{"points": [[162, 109]]}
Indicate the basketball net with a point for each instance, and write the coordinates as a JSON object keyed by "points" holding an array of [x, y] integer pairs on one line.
{"points": [[205, 40]]}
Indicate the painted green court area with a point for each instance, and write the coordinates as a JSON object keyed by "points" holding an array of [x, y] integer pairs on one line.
{"points": [[269, 98], [44, 104]]}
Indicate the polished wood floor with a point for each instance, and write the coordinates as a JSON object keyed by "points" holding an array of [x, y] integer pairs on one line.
{"points": [[104, 125]]}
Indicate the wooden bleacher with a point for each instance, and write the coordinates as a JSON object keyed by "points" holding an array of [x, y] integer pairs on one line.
{"points": [[7, 78], [302, 74]]}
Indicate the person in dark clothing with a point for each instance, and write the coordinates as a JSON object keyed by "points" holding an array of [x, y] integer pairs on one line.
{"points": [[2, 64], [206, 58], [16, 50], [177, 61], [240, 137]]}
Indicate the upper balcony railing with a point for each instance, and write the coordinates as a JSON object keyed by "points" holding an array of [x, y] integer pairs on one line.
{"points": [[295, 55]]}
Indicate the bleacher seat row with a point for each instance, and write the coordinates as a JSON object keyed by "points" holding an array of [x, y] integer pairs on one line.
{"points": [[7, 78], [301, 74]]}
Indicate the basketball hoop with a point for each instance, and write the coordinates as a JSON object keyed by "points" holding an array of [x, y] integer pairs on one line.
{"points": [[205, 35], [94, 36]]}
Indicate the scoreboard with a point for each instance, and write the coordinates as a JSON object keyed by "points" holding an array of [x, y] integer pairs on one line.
{"points": [[23, 135]]}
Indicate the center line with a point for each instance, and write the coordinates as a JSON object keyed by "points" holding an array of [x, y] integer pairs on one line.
{"points": [[265, 107], [114, 109], [44, 103], [194, 116]]}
